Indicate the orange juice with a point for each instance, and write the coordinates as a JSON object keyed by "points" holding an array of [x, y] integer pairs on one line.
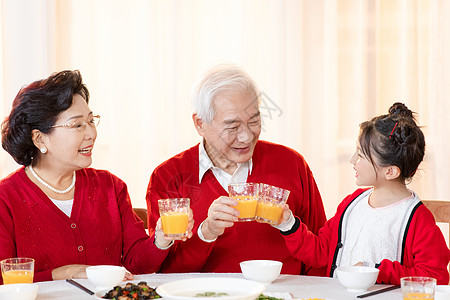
{"points": [[17, 276], [269, 212], [417, 296], [247, 207], [174, 223]]}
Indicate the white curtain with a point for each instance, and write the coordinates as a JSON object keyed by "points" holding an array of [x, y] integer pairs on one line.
{"points": [[324, 66]]}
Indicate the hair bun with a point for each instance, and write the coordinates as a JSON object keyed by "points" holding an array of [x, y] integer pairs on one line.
{"points": [[400, 110]]}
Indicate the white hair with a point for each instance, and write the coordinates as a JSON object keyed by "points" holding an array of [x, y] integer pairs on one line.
{"points": [[221, 79]]}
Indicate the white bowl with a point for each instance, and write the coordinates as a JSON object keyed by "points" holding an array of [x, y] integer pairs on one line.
{"points": [[442, 292], [235, 289], [357, 278], [105, 276], [22, 291], [264, 271]]}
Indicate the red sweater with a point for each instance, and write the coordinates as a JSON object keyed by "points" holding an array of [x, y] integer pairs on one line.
{"points": [[424, 250], [272, 164], [103, 228]]}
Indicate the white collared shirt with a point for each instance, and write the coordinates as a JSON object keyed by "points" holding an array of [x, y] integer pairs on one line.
{"points": [[240, 175]]}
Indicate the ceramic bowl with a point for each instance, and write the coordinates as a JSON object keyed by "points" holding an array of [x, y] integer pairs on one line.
{"points": [[105, 276], [264, 271], [357, 278], [22, 291], [442, 292]]}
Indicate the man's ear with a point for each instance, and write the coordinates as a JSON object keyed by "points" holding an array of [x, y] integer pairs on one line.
{"points": [[199, 124], [392, 172]]}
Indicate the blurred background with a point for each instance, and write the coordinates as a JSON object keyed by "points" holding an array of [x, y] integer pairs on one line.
{"points": [[324, 66]]}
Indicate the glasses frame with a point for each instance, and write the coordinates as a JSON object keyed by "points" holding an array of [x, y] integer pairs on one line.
{"points": [[95, 118]]}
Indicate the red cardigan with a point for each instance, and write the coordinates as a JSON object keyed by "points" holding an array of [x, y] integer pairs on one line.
{"points": [[102, 229], [424, 251], [272, 164]]}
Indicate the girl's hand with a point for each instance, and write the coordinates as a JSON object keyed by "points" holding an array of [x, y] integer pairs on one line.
{"points": [[285, 216], [287, 220]]}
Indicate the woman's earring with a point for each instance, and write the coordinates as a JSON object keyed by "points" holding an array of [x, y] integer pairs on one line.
{"points": [[43, 150]]}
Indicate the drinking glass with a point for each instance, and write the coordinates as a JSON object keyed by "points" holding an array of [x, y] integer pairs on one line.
{"points": [[17, 270], [418, 288], [247, 196], [271, 200], [174, 216]]}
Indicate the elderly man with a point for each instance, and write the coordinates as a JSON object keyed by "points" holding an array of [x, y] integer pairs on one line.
{"points": [[228, 118]]}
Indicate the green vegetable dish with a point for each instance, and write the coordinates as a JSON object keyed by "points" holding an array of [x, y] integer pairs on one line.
{"points": [[264, 297], [211, 294], [214, 294], [141, 291]]}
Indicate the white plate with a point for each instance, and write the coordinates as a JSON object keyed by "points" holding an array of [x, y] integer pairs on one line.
{"points": [[101, 293], [237, 289]]}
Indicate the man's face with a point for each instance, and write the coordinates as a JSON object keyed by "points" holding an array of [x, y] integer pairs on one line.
{"points": [[231, 136]]}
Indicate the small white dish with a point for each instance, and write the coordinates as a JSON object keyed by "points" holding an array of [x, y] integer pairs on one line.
{"points": [[234, 288], [357, 278], [442, 292], [105, 276], [22, 291], [264, 271], [101, 293]]}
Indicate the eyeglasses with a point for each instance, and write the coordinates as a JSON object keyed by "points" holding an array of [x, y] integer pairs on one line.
{"points": [[81, 125]]}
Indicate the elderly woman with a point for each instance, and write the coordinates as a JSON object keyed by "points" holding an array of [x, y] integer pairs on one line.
{"points": [[57, 210]]}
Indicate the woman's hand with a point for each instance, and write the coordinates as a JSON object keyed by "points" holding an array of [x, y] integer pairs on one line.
{"points": [[69, 272], [128, 276], [163, 242], [78, 271]]}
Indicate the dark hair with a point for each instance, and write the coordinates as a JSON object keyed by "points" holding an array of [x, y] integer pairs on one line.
{"points": [[37, 106], [395, 140]]}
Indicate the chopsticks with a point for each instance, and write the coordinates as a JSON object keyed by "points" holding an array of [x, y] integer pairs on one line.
{"points": [[73, 282], [394, 287]]}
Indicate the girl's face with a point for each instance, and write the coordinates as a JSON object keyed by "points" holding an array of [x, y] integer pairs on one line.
{"points": [[70, 146], [366, 174]]}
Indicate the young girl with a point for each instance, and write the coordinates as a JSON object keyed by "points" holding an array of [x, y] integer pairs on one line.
{"points": [[385, 226]]}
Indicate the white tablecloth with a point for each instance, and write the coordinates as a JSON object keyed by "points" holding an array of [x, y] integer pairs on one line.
{"points": [[299, 286]]}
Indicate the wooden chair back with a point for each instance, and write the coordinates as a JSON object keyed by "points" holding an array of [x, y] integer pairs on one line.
{"points": [[440, 210], [142, 214]]}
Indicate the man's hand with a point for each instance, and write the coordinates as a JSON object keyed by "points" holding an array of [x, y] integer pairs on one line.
{"points": [[221, 215]]}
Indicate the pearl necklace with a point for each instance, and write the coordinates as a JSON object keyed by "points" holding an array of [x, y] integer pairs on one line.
{"points": [[49, 186]]}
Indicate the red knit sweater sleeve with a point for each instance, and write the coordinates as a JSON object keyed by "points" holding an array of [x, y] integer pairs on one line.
{"points": [[140, 255], [315, 250], [312, 211], [425, 253], [168, 181], [7, 235]]}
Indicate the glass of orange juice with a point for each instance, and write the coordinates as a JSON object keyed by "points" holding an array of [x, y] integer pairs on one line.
{"points": [[174, 216], [17, 270], [271, 199], [418, 288], [247, 196]]}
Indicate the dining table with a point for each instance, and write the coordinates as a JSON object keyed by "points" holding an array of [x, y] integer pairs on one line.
{"points": [[296, 286]]}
